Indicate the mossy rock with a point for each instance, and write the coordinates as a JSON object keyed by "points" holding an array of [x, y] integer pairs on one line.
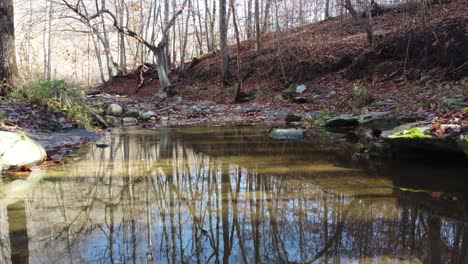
{"points": [[411, 133], [132, 113], [414, 139]]}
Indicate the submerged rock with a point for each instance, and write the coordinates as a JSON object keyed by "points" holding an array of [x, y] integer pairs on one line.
{"points": [[114, 110], [342, 121], [287, 134], [17, 149], [129, 121]]}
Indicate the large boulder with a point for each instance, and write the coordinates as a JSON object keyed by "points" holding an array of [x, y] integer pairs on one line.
{"points": [[114, 110], [17, 149], [287, 134]]}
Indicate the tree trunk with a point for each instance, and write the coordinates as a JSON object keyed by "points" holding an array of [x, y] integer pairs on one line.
{"points": [[266, 17], [162, 73], [239, 69], [327, 9], [223, 42], [8, 68], [249, 19], [257, 26]]}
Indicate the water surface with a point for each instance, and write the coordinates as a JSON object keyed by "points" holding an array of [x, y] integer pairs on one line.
{"points": [[231, 195]]}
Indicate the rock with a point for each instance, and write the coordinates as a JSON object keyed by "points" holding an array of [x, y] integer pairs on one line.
{"points": [[17, 149], [384, 103], [159, 97], [287, 134], [383, 121], [342, 121], [300, 89], [145, 116], [413, 139], [292, 117], [331, 94], [113, 121], [300, 100], [129, 121], [132, 113], [295, 124], [457, 103], [178, 98], [114, 110]]}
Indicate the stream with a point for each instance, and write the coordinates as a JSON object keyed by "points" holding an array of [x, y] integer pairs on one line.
{"points": [[233, 195]]}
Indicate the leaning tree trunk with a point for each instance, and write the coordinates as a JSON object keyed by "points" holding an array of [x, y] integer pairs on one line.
{"points": [[8, 68]]}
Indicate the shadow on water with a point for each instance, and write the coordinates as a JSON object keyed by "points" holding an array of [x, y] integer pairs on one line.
{"points": [[231, 195]]}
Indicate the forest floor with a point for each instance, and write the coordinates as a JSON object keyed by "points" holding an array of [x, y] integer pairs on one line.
{"points": [[413, 68]]}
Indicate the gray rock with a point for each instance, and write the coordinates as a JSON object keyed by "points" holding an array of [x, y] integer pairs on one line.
{"points": [[292, 117], [129, 121], [17, 149], [384, 103], [382, 121], [145, 116], [331, 94], [300, 89], [178, 98], [458, 103], [287, 134], [114, 110], [342, 121], [295, 124], [132, 113], [159, 97], [113, 121]]}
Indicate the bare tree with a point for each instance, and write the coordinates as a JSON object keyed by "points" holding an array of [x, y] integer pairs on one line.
{"points": [[258, 33], [223, 42], [159, 50], [8, 68], [239, 69]]}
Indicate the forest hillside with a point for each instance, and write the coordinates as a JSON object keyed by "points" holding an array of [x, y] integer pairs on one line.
{"points": [[414, 64]]}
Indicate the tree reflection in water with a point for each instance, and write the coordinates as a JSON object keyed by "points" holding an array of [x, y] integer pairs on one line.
{"points": [[220, 196]]}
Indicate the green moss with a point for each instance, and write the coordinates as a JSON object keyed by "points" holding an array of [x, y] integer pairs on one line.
{"points": [[463, 144], [410, 134]]}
